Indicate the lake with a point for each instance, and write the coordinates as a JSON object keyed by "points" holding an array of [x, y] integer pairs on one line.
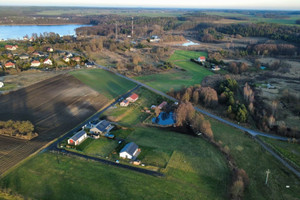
{"points": [[19, 31]]}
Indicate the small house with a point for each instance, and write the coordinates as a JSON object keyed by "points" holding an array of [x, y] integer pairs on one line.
{"points": [[47, 61], [77, 59], [38, 54], [78, 138], [163, 104], [10, 65], [35, 63], [201, 59], [66, 59], [124, 103], [132, 98], [130, 151], [154, 38], [215, 68], [50, 49], [11, 47], [89, 64], [24, 57], [69, 55], [101, 127]]}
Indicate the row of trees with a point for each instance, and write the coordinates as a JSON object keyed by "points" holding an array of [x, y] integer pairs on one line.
{"points": [[22, 129]]}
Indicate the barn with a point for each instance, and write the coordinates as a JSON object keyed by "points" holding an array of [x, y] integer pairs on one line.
{"points": [[78, 138]]}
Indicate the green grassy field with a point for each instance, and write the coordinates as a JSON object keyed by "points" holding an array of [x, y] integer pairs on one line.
{"points": [[190, 74], [101, 147], [104, 82], [288, 150], [250, 156]]}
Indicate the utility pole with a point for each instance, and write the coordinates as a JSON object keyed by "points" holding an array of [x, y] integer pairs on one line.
{"points": [[131, 27], [267, 172]]}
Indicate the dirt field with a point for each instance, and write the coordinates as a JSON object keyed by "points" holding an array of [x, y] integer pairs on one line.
{"points": [[54, 106]]}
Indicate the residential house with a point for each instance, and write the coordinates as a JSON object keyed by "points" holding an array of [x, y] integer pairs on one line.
{"points": [[78, 138], [201, 59], [215, 68], [77, 59], [1, 84], [35, 63], [132, 98], [50, 49], [38, 54], [66, 59], [163, 104], [101, 127], [69, 55], [124, 103], [130, 151], [24, 57], [11, 47], [154, 38], [89, 64], [47, 61], [10, 65]]}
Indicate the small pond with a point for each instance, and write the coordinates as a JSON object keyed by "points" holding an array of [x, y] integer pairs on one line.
{"points": [[263, 67], [164, 119]]}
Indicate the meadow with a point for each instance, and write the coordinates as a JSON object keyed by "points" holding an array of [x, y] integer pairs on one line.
{"points": [[251, 157], [289, 150], [104, 82], [189, 73]]}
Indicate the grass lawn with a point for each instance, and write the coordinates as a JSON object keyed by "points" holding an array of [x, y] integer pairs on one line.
{"points": [[196, 171], [186, 55], [100, 147], [251, 157], [288, 150], [190, 74], [104, 82], [8, 86]]}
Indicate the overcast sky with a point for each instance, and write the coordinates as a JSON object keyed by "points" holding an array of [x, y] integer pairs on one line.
{"points": [[236, 4]]}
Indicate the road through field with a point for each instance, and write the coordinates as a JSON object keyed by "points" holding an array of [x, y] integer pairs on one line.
{"points": [[253, 133]]}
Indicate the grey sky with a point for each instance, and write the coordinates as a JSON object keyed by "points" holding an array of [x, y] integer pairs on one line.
{"points": [[250, 4]]}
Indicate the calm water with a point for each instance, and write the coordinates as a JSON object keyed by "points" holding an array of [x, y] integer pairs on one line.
{"points": [[18, 32], [164, 119]]}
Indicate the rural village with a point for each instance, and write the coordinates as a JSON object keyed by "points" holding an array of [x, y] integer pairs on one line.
{"points": [[168, 104]]}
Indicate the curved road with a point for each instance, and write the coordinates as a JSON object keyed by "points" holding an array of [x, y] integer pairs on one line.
{"points": [[250, 131]]}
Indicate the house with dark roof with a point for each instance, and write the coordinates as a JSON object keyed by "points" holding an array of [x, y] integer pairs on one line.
{"points": [[124, 103], [101, 127], [130, 151], [78, 138], [24, 57]]}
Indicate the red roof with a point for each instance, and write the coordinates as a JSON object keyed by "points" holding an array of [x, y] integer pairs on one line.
{"points": [[134, 96], [202, 57], [8, 46], [35, 61], [9, 64]]}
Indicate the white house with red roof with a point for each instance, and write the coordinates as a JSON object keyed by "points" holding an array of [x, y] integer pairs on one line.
{"points": [[133, 98], [47, 61], [77, 59], [11, 47], [66, 59], [10, 65], [35, 63], [201, 59]]}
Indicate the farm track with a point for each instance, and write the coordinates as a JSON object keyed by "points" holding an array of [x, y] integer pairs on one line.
{"points": [[54, 106]]}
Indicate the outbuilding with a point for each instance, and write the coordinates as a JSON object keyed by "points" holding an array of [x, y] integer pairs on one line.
{"points": [[78, 138], [130, 151]]}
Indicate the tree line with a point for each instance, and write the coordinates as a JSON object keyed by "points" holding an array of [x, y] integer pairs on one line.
{"points": [[20, 129]]}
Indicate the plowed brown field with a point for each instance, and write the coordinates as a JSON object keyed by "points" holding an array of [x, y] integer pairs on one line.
{"points": [[54, 106]]}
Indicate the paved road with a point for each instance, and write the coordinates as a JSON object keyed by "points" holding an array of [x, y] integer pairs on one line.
{"points": [[250, 131], [275, 155], [108, 162], [93, 118]]}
